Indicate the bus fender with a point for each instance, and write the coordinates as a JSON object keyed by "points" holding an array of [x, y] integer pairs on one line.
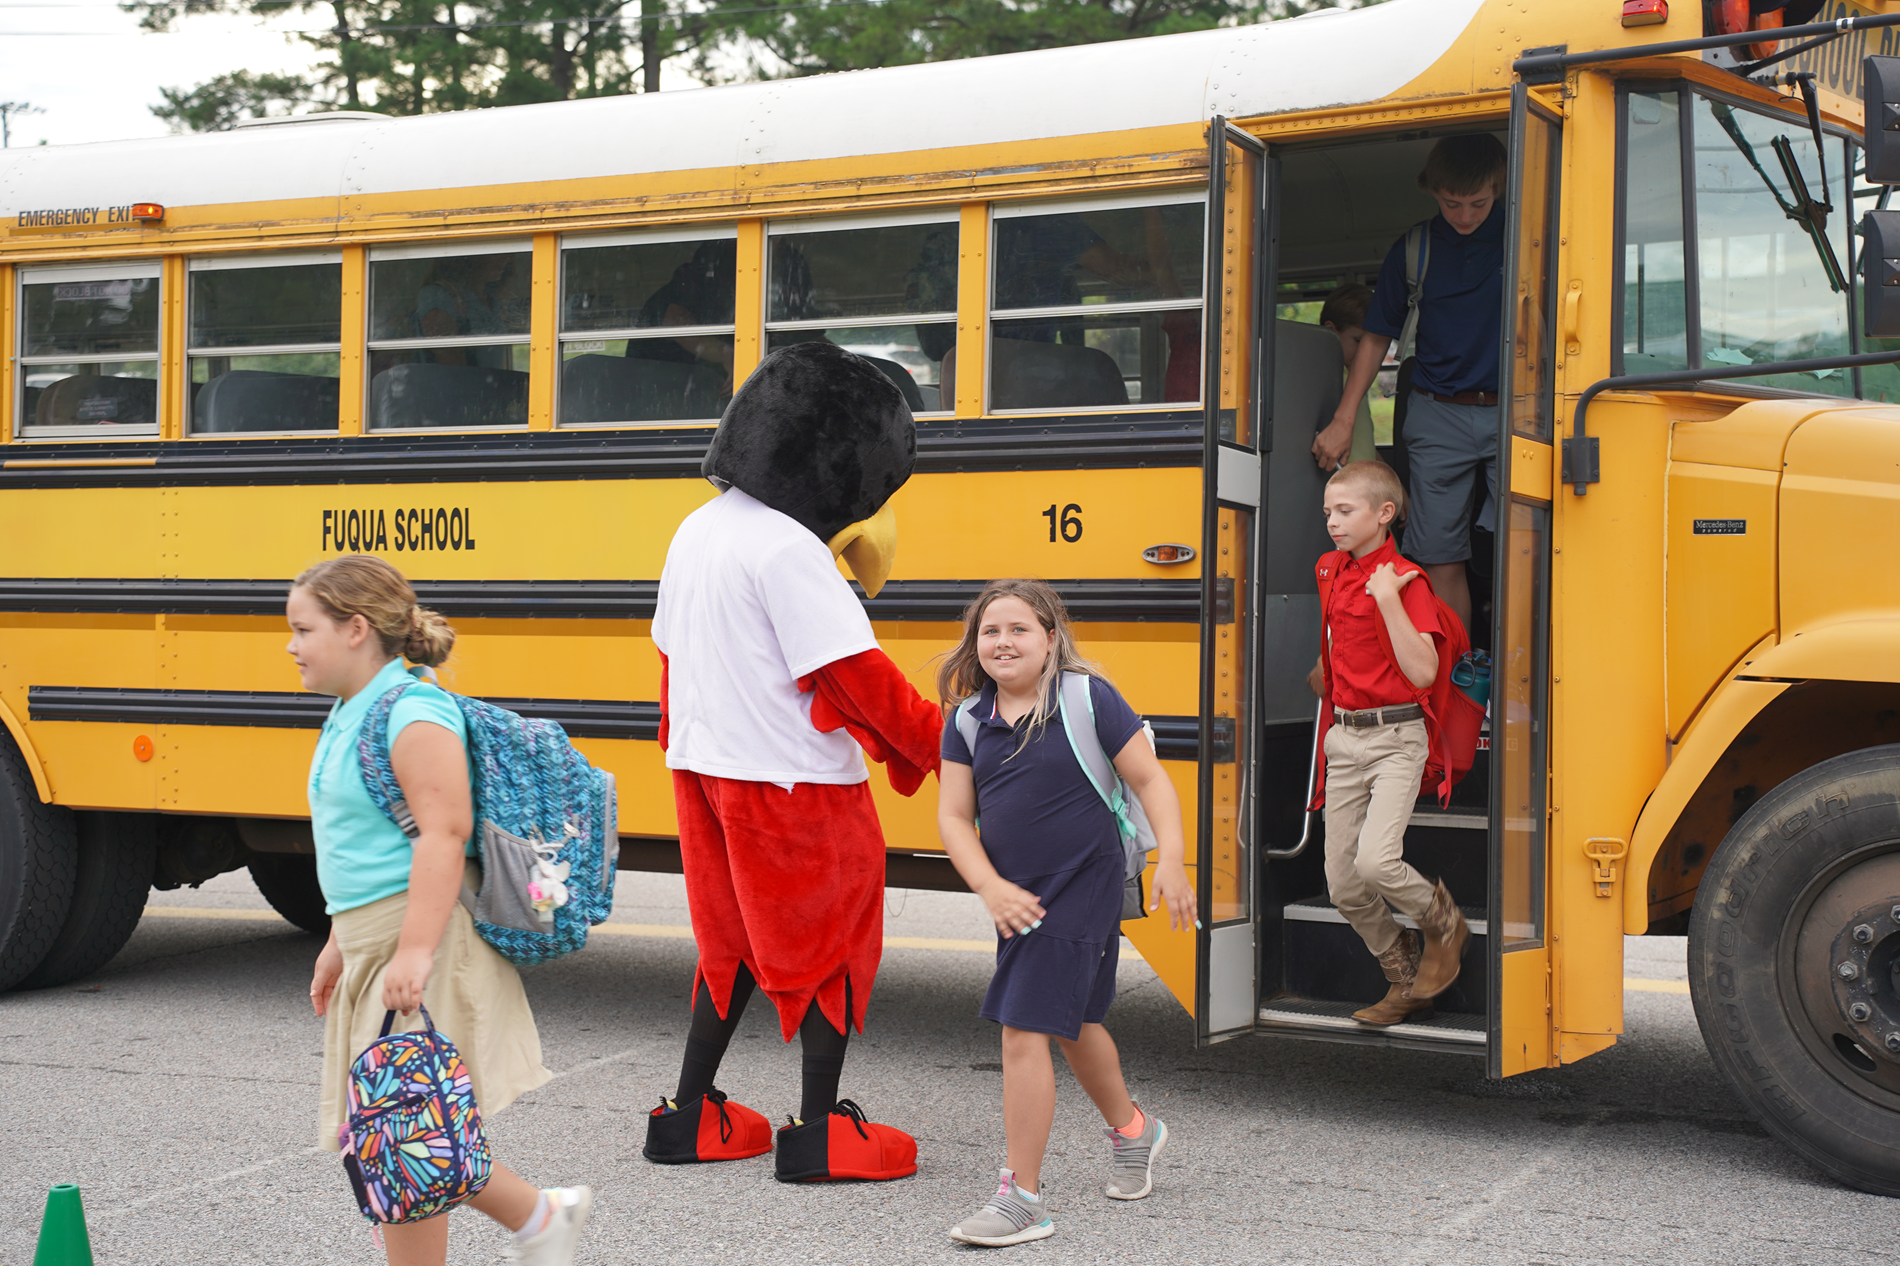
{"points": [[1848, 650], [27, 753]]}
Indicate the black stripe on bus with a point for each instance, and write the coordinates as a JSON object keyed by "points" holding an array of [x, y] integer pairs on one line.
{"points": [[1059, 442], [1176, 737], [1158, 601]]}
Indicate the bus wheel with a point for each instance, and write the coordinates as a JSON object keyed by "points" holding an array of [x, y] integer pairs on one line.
{"points": [[289, 882], [116, 855], [38, 855], [1794, 964]]}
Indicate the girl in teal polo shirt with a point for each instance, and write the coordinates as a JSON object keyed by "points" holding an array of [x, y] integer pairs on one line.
{"points": [[398, 935]]}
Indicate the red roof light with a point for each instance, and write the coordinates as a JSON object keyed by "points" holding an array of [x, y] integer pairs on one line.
{"points": [[1645, 12]]}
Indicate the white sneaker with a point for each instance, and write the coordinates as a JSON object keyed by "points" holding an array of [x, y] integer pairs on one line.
{"points": [[553, 1244]]}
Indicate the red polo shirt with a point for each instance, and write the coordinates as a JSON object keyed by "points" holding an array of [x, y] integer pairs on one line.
{"points": [[1363, 677]]}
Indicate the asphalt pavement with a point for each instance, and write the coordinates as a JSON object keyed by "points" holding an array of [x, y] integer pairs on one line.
{"points": [[178, 1088]]}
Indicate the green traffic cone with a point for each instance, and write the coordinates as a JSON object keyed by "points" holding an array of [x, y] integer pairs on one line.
{"points": [[63, 1238]]}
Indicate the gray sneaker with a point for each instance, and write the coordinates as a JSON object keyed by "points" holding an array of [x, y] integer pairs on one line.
{"points": [[1008, 1218], [1133, 1175]]}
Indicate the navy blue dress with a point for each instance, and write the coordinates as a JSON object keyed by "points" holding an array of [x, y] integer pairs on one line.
{"points": [[1046, 829]]}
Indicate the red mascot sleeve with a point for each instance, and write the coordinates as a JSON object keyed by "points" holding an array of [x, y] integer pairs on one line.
{"points": [[867, 696]]}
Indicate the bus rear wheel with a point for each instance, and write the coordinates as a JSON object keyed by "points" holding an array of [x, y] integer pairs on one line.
{"points": [[39, 850], [1794, 965], [289, 882], [115, 859]]}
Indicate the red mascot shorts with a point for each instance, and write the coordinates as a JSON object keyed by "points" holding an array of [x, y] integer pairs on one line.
{"points": [[790, 883]]}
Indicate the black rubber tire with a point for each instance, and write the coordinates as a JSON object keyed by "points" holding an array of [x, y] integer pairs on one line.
{"points": [[39, 855], [1742, 937], [289, 882], [116, 855]]}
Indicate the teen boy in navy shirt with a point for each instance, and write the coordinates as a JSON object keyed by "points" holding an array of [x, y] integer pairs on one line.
{"points": [[1376, 745], [1451, 419]]}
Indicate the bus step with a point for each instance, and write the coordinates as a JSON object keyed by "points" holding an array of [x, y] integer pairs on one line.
{"points": [[1323, 958], [1451, 819], [1306, 1017]]}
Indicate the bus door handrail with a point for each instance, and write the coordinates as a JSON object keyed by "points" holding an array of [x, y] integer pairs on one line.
{"points": [[1580, 465], [1312, 775]]}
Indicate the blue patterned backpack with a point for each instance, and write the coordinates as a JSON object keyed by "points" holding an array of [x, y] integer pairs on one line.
{"points": [[413, 1145], [546, 826]]}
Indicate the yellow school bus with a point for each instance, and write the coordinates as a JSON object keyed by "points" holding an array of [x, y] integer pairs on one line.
{"points": [[490, 347]]}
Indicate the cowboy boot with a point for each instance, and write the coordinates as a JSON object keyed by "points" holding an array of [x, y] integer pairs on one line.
{"points": [[1400, 965], [1446, 932]]}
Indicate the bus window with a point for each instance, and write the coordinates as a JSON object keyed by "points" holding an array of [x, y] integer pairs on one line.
{"points": [[448, 337], [264, 343], [88, 353], [646, 327], [1765, 292], [1655, 323], [1096, 306], [886, 290]]}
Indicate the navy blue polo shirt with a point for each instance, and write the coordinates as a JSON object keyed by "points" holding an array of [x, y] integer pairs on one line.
{"points": [[1460, 310], [1041, 820]]}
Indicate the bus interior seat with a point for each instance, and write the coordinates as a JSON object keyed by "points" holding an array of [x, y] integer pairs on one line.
{"points": [[430, 395], [906, 383], [1033, 375], [257, 400], [1308, 380], [597, 388], [98, 400]]}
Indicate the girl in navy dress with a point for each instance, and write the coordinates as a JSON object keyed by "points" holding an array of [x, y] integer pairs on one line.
{"points": [[1049, 866]]}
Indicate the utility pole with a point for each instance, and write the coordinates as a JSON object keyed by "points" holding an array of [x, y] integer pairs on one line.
{"points": [[9, 110], [651, 11]]}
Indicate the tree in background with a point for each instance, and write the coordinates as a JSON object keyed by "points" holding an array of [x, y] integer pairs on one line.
{"points": [[805, 39], [422, 56]]}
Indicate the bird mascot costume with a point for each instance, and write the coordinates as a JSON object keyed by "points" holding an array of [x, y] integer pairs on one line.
{"points": [[773, 690]]}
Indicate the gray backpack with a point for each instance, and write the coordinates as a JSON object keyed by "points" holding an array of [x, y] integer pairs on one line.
{"points": [[1131, 820]]}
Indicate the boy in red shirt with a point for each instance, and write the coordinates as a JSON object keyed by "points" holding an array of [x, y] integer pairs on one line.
{"points": [[1376, 746]]}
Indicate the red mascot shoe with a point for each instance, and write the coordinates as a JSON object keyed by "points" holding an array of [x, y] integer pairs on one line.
{"points": [[844, 1145], [709, 1128]]}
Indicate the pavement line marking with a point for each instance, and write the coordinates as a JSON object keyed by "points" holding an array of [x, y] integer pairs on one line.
{"points": [[667, 931], [141, 1202], [1637, 985]]}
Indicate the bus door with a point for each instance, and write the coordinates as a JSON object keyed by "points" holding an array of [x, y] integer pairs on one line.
{"points": [[1518, 997], [1239, 259]]}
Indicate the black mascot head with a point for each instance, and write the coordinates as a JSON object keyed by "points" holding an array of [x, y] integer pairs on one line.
{"points": [[817, 433]]}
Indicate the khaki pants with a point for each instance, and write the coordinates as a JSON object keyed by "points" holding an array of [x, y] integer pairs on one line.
{"points": [[1372, 779]]}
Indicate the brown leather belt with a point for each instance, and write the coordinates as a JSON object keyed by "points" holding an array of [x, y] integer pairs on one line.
{"points": [[1369, 718], [1466, 397]]}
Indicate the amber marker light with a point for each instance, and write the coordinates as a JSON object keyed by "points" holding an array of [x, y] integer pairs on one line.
{"points": [[142, 747], [1169, 553], [1645, 12], [152, 212]]}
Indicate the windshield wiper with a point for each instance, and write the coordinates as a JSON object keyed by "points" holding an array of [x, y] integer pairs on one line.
{"points": [[1807, 211]]}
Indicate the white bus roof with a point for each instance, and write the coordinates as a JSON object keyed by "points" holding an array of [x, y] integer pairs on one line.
{"points": [[1334, 57]]}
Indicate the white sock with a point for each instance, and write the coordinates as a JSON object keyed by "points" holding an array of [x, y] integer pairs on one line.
{"points": [[537, 1221], [1030, 1196]]}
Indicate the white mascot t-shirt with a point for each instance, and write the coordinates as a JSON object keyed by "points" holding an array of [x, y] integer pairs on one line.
{"points": [[750, 601]]}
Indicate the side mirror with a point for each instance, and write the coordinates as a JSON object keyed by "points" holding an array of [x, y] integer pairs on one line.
{"points": [[1880, 267], [1880, 96]]}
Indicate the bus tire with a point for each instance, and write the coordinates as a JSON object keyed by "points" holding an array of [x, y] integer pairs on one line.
{"points": [[39, 850], [1804, 885], [289, 882], [116, 853]]}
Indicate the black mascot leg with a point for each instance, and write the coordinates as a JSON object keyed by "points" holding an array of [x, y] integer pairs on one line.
{"points": [[824, 1049], [707, 1039]]}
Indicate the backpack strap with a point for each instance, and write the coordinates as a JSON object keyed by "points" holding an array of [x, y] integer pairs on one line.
{"points": [[1422, 695], [1418, 258], [1074, 699], [967, 725]]}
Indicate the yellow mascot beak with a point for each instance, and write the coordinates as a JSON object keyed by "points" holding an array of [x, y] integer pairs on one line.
{"points": [[868, 548]]}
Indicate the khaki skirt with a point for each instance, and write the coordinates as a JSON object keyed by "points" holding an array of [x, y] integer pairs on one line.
{"points": [[474, 995]]}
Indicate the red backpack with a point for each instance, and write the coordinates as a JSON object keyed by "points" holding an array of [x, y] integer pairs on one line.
{"points": [[1453, 719]]}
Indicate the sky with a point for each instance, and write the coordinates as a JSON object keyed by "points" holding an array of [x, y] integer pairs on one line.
{"points": [[95, 75]]}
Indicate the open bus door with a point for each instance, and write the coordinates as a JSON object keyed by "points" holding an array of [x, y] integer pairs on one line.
{"points": [[1518, 1021], [1237, 339]]}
